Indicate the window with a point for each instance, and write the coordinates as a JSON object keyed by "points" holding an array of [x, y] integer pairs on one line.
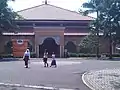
{"points": [[19, 41]]}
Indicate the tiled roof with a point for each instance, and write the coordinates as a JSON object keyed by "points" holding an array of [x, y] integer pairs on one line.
{"points": [[50, 12]]}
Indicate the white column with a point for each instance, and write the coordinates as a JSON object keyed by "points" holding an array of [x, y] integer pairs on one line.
{"points": [[37, 50], [113, 49], [63, 52], [60, 51]]}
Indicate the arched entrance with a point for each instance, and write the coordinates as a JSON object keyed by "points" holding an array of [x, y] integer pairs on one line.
{"points": [[51, 46], [8, 47], [71, 47]]}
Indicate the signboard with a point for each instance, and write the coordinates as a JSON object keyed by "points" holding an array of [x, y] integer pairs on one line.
{"points": [[19, 47]]}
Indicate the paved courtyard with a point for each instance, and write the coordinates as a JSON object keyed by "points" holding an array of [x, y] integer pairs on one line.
{"points": [[61, 77], [107, 79], [67, 75]]}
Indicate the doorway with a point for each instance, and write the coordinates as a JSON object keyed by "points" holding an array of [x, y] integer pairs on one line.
{"points": [[51, 46]]}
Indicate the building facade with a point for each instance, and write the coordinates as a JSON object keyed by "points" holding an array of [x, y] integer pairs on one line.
{"points": [[52, 28]]}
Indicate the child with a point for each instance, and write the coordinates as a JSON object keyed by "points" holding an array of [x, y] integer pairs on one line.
{"points": [[53, 63]]}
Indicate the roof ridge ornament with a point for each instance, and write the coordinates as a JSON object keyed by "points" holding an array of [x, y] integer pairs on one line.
{"points": [[46, 2]]}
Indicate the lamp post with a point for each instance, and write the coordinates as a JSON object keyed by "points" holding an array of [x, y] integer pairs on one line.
{"points": [[118, 47], [97, 28], [110, 37], [110, 40]]}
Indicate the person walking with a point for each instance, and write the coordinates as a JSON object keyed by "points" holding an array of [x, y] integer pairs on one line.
{"points": [[53, 63], [45, 57], [26, 57]]}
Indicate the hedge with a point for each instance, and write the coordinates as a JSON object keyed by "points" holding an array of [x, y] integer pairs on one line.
{"points": [[33, 55], [81, 55], [90, 55], [6, 55]]}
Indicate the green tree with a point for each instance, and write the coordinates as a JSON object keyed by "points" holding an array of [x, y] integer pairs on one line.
{"points": [[111, 24], [97, 6], [94, 6], [7, 16], [88, 44], [107, 19], [17, 16]]}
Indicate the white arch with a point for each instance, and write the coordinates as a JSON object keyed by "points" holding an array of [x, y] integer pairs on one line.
{"points": [[56, 38]]}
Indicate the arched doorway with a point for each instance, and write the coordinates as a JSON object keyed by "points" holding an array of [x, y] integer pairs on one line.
{"points": [[8, 47], [71, 47], [51, 46]]}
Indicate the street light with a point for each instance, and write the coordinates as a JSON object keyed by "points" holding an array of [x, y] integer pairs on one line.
{"points": [[97, 28], [118, 46]]}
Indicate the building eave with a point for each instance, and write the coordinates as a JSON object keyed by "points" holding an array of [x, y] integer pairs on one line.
{"points": [[17, 34], [31, 34], [43, 20]]}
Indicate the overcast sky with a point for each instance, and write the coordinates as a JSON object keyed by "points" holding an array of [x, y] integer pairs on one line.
{"points": [[73, 5]]}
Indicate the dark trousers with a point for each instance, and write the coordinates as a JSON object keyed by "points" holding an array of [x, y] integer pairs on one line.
{"points": [[26, 61], [45, 62]]}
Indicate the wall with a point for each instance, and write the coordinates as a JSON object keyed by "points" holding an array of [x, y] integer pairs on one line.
{"points": [[40, 33], [104, 43], [5, 39], [104, 48], [75, 39]]}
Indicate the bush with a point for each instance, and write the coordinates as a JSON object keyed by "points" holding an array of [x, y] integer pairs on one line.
{"points": [[72, 55], [6, 55], [116, 55], [33, 55], [87, 55], [82, 55], [90, 55]]}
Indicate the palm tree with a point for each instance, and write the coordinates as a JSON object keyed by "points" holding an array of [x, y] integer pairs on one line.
{"points": [[111, 22], [94, 6], [105, 8]]}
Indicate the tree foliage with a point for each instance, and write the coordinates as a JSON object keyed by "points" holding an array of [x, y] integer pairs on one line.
{"points": [[108, 17], [88, 44], [7, 16]]}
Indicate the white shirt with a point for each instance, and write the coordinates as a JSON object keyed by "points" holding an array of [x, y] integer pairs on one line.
{"points": [[53, 56], [45, 55], [26, 54]]}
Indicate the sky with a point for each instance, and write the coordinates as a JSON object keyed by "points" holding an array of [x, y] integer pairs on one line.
{"points": [[73, 5]]}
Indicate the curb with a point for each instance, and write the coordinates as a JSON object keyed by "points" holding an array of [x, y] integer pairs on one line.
{"points": [[83, 76], [34, 87]]}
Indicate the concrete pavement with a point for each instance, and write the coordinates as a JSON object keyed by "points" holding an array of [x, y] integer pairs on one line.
{"points": [[67, 75], [107, 79], [62, 77]]}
